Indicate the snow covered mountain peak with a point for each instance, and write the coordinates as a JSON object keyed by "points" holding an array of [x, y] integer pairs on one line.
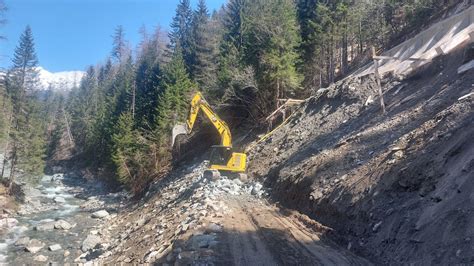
{"points": [[64, 80]]}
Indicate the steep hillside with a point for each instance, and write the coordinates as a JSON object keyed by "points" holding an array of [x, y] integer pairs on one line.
{"points": [[396, 187]]}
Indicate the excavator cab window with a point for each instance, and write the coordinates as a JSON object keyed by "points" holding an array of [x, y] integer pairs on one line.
{"points": [[220, 155]]}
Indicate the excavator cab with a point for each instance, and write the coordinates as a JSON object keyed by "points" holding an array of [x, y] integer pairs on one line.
{"points": [[223, 158], [220, 155]]}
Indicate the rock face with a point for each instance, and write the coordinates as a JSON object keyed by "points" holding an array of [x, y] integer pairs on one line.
{"points": [[90, 242], [100, 214], [34, 246]]}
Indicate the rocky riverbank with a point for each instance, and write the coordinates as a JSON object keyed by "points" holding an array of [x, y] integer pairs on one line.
{"points": [[56, 221]]}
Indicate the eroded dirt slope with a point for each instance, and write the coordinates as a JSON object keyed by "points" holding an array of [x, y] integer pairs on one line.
{"points": [[396, 188]]}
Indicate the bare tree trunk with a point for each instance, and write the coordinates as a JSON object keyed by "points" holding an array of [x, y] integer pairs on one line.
{"points": [[277, 94], [360, 37], [344, 52], [377, 78], [133, 100], [331, 60]]}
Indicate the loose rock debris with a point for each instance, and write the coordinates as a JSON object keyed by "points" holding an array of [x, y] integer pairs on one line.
{"points": [[188, 219]]}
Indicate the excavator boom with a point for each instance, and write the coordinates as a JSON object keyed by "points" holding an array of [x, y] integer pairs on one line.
{"points": [[199, 103]]}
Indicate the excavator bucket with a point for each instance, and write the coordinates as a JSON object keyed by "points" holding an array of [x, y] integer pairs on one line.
{"points": [[178, 129]]}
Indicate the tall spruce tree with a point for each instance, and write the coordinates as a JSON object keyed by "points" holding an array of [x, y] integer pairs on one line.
{"points": [[26, 134], [173, 103], [181, 33], [204, 36], [24, 73], [310, 46], [124, 147], [233, 22], [120, 47], [148, 83]]}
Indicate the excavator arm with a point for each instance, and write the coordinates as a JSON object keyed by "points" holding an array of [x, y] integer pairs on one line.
{"points": [[199, 103]]}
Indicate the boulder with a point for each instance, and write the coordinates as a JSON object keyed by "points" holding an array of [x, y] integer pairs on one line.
{"points": [[34, 246], [55, 247], [100, 214], [214, 228], [23, 241], [45, 226], [257, 189], [90, 242], [203, 241], [212, 174], [62, 225], [40, 258], [59, 200]]}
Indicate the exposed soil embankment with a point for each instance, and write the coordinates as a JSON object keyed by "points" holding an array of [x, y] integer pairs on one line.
{"points": [[397, 188]]}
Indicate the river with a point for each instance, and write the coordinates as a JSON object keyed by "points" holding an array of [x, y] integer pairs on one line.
{"points": [[55, 198]]}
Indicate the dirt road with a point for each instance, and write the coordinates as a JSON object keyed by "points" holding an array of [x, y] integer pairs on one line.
{"points": [[258, 233]]}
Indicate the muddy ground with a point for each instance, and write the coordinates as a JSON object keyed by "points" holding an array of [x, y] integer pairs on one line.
{"points": [[396, 188]]}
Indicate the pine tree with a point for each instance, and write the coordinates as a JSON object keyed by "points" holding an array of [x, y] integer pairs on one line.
{"points": [[205, 44], [148, 83], [173, 104], [23, 72], [31, 145], [233, 22], [181, 33], [82, 109], [310, 47], [25, 144], [124, 147], [230, 66], [270, 41], [120, 47]]}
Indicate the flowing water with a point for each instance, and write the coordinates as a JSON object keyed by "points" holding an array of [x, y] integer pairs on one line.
{"points": [[53, 199]]}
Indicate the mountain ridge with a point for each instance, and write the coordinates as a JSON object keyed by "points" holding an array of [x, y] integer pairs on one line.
{"points": [[63, 80]]}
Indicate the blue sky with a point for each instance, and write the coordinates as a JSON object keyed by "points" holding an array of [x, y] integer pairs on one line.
{"points": [[72, 34]]}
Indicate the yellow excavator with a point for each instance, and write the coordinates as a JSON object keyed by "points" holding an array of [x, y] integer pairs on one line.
{"points": [[223, 158]]}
